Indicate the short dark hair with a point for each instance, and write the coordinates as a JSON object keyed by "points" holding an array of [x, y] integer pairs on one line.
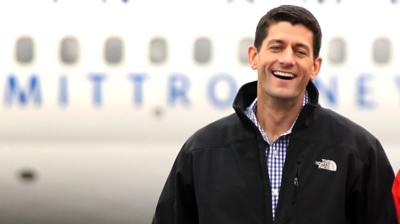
{"points": [[294, 15]]}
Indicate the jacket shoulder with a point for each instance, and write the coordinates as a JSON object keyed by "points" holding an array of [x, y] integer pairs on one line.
{"points": [[339, 130], [342, 125], [222, 132]]}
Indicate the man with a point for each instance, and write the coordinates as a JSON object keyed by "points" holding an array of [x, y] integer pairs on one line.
{"points": [[281, 158]]}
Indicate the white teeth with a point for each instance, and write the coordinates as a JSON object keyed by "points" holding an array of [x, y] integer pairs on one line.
{"points": [[284, 74]]}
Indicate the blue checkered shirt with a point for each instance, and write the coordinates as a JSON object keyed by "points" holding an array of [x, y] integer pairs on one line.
{"points": [[275, 153]]}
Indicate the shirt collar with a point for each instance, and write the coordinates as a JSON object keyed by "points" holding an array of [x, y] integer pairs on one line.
{"points": [[251, 114]]}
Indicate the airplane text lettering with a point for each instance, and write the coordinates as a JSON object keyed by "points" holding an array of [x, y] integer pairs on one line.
{"points": [[138, 79], [97, 79], [219, 90], [364, 92], [13, 91]]}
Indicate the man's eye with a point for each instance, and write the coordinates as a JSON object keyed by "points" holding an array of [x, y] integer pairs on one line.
{"points": [[301, 53], [275, 48]]}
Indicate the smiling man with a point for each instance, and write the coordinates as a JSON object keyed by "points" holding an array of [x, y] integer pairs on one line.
{"points": [[281, 157], [285, 64]]}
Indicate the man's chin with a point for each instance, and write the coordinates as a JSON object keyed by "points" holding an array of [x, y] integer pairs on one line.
{"points": [[284, 96]]}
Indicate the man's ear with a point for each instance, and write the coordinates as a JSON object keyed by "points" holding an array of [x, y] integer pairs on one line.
{"points": [[316, 68], [252, 55]]}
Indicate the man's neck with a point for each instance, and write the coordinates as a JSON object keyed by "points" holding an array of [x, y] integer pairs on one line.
{"points": [[276, 116]]}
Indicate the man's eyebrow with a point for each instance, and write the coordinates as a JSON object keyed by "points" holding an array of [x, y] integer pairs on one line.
{"points": [[300, 45], [273, 41], [297, 45]]}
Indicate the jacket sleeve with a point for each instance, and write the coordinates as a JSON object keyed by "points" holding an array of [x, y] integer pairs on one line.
{"points": [[177, 204], [396, 195], [371, 196]]}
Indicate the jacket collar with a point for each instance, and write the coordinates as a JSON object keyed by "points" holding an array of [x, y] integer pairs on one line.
{"points": [[248, 92]]}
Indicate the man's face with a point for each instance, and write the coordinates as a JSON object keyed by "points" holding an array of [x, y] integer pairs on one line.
{"points": [[285, 61]]}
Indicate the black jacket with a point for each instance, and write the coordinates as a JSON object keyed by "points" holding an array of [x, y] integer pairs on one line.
{"points": [[220, 175]]}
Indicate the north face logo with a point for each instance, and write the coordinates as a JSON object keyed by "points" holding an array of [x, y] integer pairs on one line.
{"points": [[326, 164]]}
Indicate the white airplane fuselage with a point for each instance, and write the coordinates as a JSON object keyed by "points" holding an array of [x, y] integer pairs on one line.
{"points": [[97, 97]]}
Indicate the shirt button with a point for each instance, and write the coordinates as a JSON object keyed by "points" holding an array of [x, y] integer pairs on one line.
{"points": [[275, 192], [275, 153]]}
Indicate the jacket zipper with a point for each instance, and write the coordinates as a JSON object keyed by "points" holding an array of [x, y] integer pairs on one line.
{"points": [[296, 182]]}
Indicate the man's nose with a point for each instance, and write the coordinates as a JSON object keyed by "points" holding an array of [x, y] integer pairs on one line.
{"points": [[287, 58]]}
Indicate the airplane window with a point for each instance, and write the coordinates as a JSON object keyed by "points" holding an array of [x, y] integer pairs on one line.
{"points": [[69, 50], [337, 51], [243, 46], [113, 51], [382, 50], [24, 51], [158, 50], [202, 50]]}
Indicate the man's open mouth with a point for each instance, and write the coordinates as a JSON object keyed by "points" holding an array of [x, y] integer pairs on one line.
{"points": [[283, 75]]}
